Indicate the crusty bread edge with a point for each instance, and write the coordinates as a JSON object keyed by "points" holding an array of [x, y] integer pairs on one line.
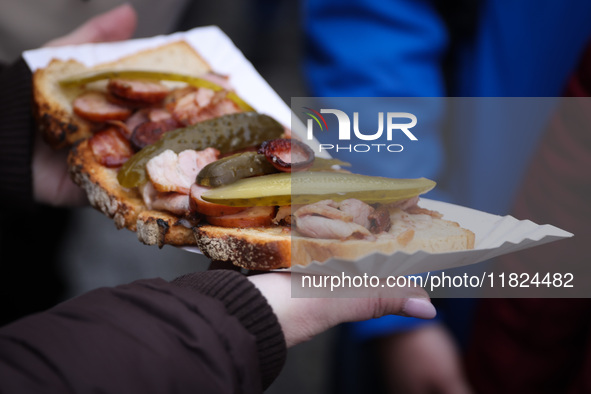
{"points": [[58, 124], [264, 248], [124, 206], [253, 248]]}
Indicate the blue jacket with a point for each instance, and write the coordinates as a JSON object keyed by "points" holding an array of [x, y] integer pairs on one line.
{"points": [[398, 48]]}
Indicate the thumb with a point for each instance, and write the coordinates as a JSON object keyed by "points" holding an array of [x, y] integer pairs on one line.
{"points": [[114, 25]]}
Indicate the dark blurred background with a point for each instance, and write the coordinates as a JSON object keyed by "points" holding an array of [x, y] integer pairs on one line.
{"points": [[268, 32]]}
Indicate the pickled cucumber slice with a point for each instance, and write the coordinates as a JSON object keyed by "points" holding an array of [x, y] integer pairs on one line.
{"points": [[244, 165], [83, 79], [310, 187], [323, 164], [233, 168], [227, 133]]}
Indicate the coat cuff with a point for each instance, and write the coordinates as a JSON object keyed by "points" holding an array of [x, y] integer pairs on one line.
{"points": [[244, 301]]}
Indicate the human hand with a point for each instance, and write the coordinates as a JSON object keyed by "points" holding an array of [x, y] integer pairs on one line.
{"points": [[51, 182], [423, 360], [303, 318], [114, 25]]}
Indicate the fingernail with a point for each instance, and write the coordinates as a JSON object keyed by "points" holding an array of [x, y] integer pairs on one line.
{"points": [[420, 308]]}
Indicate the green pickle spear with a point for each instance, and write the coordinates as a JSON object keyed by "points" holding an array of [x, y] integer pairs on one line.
{"points": [[248, 164], [232, 168], [309, 187], [324, 164], [227, 133]]}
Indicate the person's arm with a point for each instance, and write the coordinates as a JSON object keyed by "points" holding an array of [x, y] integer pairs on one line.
{"points": [[216, 331], [212, 331], [132, 337]]}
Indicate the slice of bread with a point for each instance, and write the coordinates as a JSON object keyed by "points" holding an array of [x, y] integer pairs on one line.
{"points": [[261, 248], [256, 248], [53, 103], [437, 237], [272, 248]]}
